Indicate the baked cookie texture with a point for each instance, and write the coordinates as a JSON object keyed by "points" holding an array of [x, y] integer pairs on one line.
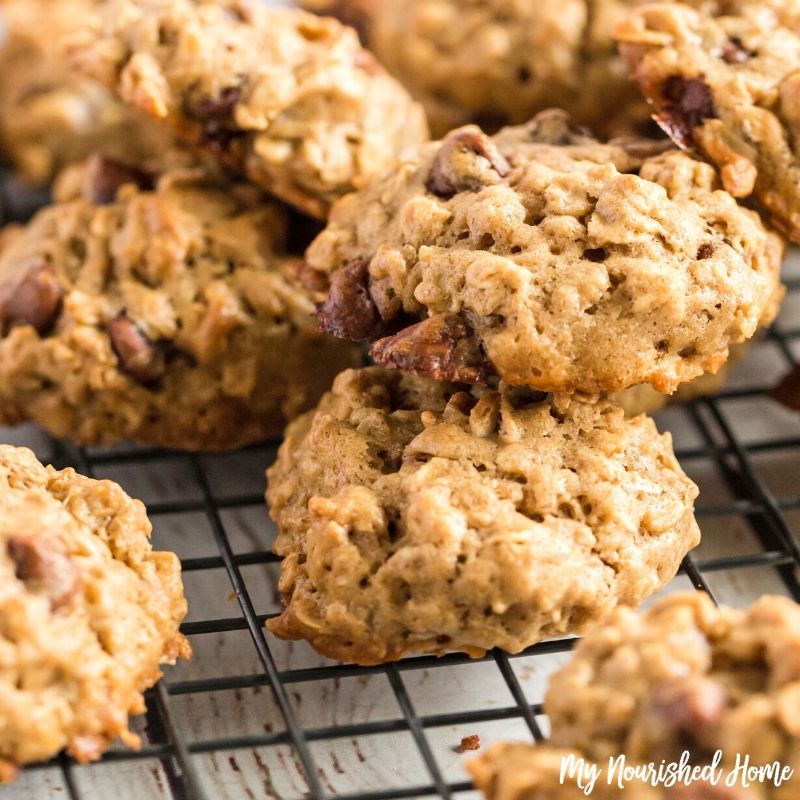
{"points": [[421, 516], [50, 118], [88, 612], [724, 82], [291, 99], [498, 62], [548, 259], [164, 311], [682, 676]]}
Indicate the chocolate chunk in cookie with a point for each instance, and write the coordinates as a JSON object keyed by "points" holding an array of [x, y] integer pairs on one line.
{"points": [[442, 347], [138, 356], [467, 161], [31, 295]]}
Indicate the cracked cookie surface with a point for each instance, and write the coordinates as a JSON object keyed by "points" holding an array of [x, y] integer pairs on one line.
{"points": [[684, 675], [162, 310], [290, 99], [548, 259], [498, 62], [724, 79], [88, 612], [419, 516]]}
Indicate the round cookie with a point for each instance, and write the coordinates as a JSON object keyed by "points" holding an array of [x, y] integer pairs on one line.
{"points": [[548, 259], [420, 516], [684, 676], [724, 81], [498, 62], [89, 612], [289, 98], [50, 118], [163, 311]]}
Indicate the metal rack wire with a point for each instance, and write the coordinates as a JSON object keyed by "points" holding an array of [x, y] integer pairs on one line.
{"points": [[717, 445]]}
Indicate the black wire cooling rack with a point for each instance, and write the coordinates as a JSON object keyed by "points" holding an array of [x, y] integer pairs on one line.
{"points": [[751, 500]]}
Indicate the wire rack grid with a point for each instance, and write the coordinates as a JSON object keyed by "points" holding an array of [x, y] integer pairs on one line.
{"points": [[252, 717]]}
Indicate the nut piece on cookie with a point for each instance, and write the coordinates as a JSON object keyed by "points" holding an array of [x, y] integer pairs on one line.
{"points": [[566, 264], [724, 80], [499, 62], [683, 676], [421, 516], [161, 310], [89, 612], [288, 98]]}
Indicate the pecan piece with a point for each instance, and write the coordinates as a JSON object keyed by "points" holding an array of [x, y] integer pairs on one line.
{"points": [[687, 103], [467, 161], [350, 312], [443, 347], [311, 279], [33, 298], [138, 356], [42, 567]]}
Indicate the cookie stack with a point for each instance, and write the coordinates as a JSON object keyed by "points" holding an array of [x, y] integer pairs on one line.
{"points": [[157, 299], [244, 198]]}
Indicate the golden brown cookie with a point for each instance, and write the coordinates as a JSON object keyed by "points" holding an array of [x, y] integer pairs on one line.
{"points": [[163, 310], [88, 612], [289, 98], [684, 676], [548, 259], [498, 62], [723, 76], [419, 516], [50, 118]]}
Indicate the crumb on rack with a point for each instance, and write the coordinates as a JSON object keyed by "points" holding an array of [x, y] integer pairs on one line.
{"points": [[472, 742]]}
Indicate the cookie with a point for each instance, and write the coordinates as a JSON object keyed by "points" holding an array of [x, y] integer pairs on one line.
{"points": [[288, 98], [421, 516], [684, 676], [498, 62], [724, 82], [50, 118], [548, 259], [89, 612], [165, 311]]}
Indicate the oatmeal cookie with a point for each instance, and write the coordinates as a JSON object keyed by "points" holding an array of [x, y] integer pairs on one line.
{"points": [[88, 612], [50, 118], [548, 259], [498, 62], [723, 77], [421, 516], [685, 675], [159, 310], [290, 99]]}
